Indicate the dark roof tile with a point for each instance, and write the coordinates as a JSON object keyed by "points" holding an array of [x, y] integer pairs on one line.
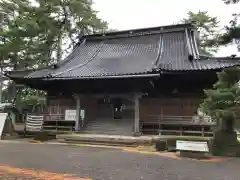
{"points": [[135, 53]]}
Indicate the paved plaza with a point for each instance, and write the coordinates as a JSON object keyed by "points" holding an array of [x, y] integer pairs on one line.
{"points": [[44, 161]]}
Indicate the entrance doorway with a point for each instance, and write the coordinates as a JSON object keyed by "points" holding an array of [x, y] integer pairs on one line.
{"points": [[114, 117], [115, 108]]}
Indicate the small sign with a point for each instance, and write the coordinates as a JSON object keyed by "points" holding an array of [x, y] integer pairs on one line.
{"points": [[82, 114], [192, 146], [70, 115], [3, 118]]}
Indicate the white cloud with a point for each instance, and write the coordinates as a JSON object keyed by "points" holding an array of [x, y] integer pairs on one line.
{"points": [[131, 14]]}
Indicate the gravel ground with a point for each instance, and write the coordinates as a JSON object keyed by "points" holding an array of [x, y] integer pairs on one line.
{"points": [[112, 164]]}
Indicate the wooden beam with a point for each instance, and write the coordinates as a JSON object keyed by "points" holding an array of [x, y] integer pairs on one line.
{"points": [[78, 108], [136, 113]]}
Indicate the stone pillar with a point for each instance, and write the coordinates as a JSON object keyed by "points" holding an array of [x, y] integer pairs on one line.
{"points": [[136, 115], [78, 118]]}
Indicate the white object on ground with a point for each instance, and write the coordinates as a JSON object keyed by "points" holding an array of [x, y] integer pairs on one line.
{"points": [[3, 117], [192, 146], [34, 123]]}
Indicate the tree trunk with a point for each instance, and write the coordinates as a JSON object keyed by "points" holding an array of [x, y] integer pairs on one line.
{"points": [[59, 47], [227, 124]]}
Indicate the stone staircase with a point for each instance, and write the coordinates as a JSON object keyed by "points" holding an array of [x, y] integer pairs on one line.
{"points": [[110, 127]]}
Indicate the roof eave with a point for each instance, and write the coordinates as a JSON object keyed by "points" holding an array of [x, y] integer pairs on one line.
{"points": [[129, 76]]}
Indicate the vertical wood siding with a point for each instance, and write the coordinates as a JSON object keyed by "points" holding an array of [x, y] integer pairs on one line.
{"points": [[168, 107]]}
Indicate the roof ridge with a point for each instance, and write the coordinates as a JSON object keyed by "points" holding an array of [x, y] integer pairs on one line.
{"points": [[140, 32], [195, 47], [192, 45], [166, 27], [160, 51]]}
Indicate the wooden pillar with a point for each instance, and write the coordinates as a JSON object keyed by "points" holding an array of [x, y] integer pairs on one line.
{"points": [[78, 119], [136, 114]]}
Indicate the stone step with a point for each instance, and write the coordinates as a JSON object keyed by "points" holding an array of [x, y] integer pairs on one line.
{"points": [[109, 127], [112, 140], [98, 143]]}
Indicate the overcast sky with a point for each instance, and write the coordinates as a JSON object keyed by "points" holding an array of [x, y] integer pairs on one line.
{"points": [[131, 14]]}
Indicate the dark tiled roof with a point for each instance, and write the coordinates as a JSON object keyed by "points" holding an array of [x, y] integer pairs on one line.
{"points": [[145, 51]]}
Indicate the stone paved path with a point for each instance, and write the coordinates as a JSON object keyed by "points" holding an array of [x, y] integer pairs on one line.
{"points": [[24, 160]]}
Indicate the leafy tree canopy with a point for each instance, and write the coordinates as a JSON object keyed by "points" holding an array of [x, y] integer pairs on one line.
{"points": [[33, 33], [37, 33], [222, 100]]}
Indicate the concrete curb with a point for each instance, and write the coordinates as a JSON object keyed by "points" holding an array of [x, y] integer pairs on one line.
{"points": [[54, 143]]}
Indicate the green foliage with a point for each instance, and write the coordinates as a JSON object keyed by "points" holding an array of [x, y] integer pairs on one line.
{"points": [[34, 32], [29, 99], [30, 103], [39, 33], [208, 27], [221, 101], [26, 99]]}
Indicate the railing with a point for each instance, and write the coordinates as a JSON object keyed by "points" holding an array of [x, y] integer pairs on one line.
{"points": [[191, 120], [34, 123], [53, 117], [180, 125], [49, 122]]}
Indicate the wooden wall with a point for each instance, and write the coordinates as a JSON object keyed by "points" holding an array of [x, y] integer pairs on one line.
{"points": [[168, 107], [89, 104], [161, 106], [56, 105]]}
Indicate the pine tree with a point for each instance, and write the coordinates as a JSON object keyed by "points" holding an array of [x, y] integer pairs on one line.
{"points": [[223, 99], [208, 28], [35, 32], [38, 33], [221, 104]]}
